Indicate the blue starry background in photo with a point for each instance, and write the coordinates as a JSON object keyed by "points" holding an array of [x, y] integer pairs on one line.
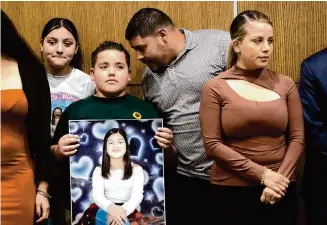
{"points": [[144, 151]]}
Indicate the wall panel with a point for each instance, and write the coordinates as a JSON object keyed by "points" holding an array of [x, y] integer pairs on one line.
{"points": [[300, 29], [99, 21]]}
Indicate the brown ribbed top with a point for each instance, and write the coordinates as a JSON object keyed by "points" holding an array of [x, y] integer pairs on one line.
{"points": [[244, 136]]}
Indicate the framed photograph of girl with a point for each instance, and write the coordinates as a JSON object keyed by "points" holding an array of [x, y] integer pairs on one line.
{"points": [[117, 173]]}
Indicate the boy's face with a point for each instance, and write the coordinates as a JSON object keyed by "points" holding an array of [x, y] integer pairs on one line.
{"points": [[110, 74]]}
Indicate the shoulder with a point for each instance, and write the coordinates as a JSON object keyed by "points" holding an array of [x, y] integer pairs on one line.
{"points": [[97, 171], [282, 77], [212, 36], [144, 106], [147, 72], [138, 101], [137, 168], [214, 85], [218, 80], [317, 58], [282, 80], [78, 74], [76, 105], [215, 82], [212, 33], [315, 65]]}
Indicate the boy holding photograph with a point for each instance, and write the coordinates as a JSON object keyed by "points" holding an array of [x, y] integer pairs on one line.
{"points": [[111, 73]]}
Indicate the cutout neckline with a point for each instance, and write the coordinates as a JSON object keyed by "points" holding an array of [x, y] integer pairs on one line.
{"points": [[250, 100]]}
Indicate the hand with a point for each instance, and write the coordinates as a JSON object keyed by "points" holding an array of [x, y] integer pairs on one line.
{"points": [[164, 137], [67, 145], [276, 182], [116, 215], [42, 204], [269, 196]]}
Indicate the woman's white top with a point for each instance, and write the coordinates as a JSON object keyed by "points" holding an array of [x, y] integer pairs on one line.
{"points": [[116, 190]]}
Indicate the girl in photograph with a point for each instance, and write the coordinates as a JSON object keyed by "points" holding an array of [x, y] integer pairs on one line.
{"points": [[56, 114], [118, 184], [252, 127]]}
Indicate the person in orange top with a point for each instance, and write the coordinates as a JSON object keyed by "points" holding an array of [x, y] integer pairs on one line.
{"points": [[25, 138], [252, 127]]}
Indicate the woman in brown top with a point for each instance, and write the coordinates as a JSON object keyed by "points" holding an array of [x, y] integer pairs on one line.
{"points": [[252, 127], [25, 138]]}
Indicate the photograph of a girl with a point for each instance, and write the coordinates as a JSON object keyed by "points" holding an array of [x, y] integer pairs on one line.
{"points": [[55, 117], [117, 175], [118, 183]]}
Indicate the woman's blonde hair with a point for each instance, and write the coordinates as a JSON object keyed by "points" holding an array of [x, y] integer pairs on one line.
{"points": [[237, 31]]}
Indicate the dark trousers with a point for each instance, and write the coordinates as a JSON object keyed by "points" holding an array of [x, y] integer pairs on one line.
{"points": [[314, 189], [192, 201], [60, 201], [242, 206]]}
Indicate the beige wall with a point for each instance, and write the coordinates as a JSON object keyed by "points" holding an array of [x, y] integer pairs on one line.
{"points": [[99, 21], [300, 27]]}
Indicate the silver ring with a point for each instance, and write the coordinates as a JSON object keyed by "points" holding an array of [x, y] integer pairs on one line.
{"points": [[272, 202]]}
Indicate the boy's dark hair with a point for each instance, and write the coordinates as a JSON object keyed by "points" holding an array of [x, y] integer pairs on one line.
{"points": [[110, 45], [145, 22]]}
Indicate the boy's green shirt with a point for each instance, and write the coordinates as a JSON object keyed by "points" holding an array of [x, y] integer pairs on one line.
{"points": [[92, 108]]}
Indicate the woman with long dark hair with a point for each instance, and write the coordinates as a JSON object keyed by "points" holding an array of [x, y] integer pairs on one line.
{"points": [[26, 159], [118, 185]]}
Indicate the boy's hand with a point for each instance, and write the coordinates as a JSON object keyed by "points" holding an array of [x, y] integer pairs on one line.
{"points": [[67, 145], [164, 137]]}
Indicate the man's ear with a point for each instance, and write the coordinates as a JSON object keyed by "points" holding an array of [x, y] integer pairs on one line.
{"points": [[162, 34], [92, 74]]}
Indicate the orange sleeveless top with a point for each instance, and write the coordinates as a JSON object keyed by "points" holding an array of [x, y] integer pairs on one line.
{"points": [[17, 177]]}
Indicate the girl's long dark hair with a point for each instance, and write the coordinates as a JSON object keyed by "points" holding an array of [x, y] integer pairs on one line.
{"points": [[56, 23], [105, 169]]}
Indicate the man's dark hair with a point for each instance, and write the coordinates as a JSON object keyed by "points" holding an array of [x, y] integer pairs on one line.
{"points": [[145, 22], [110, 45]]}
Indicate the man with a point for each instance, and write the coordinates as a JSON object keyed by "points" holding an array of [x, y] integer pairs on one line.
{"points": [[111, 73], [313, 93], [179, 62]]}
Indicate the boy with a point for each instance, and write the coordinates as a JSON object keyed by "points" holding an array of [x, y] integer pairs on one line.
{"points": [[111, 73]]}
